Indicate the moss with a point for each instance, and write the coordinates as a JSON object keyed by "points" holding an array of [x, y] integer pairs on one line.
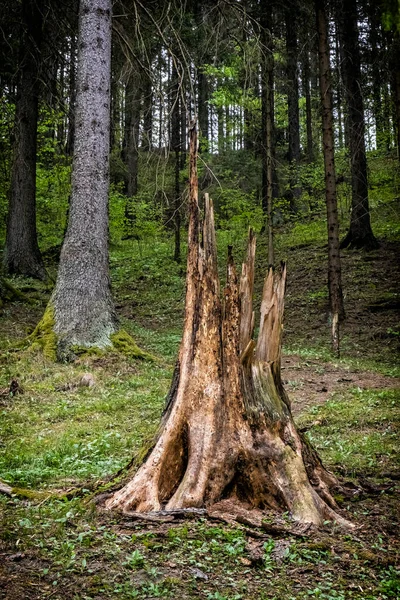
{"points": [[29, 494], [321, 545], [124, 343], [10, 293], [43, 336]]}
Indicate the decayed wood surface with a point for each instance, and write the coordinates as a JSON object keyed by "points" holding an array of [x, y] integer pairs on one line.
{"points": [[227, 432]]}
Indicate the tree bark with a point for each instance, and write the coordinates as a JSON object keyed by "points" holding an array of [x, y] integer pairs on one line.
{"points": [[130, 151], [307, 94], [147, 102], [82, 304], [21, 253], [293, 103], [360, 234], [267, 123], [72, 98], [176, 148], [395, 87], [227, 430], [203, 97], [334, 266]]}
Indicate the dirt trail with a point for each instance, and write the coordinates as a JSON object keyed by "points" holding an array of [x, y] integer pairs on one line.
{"points": [[312, 382]]}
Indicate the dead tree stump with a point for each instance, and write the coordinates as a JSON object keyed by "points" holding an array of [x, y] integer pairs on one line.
{"points": [[227, 429]]}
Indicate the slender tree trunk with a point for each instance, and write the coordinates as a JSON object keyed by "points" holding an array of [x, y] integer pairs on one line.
{"points": [[82, 305], [339, 92], [221, 134], [293, 102], [203, 97], [21, 253], [360, 233], [307, 94], [147, 102], [227, 433], [267, 107], [334, 266], [130, 151], [395, 80], [176, 148]]}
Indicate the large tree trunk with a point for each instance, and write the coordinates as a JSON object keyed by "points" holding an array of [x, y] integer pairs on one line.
{"points": [[21, 253], [227, 429], [82, 304], [360, 233], [334, 266]]}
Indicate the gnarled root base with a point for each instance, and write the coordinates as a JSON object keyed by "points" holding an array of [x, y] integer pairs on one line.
{"points": [[196, 464]]}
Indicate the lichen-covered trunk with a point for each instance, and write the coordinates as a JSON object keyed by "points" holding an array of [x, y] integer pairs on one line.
{"points": [[227, 430], [334, 265], [21, 253], [82, 303]]}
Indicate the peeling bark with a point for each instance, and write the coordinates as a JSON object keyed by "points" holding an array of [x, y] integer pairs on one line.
{"points": [[227, 431]]}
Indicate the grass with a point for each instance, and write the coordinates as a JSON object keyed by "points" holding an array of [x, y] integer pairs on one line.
{"points": [[357, 431], [57, 435]]}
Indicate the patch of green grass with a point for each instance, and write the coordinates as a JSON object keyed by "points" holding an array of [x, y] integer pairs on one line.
{"points": [[358, 430], [302, 234], [51, 435]]}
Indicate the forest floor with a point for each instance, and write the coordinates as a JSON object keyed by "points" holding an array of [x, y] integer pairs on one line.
{"points": [[58, 436]]}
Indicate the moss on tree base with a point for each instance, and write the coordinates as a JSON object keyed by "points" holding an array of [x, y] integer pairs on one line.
{"points": [[125, 344], [44, 339]]}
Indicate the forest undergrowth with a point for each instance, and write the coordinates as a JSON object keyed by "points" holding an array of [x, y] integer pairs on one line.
{"points": [[60, 434]]}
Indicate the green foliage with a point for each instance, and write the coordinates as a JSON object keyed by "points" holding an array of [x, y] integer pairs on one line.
{"points": [[237, 212]]}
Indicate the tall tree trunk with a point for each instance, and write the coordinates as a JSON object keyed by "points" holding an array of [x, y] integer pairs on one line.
{"points": [[176, 148], [21, 253], [147, 102], [395, 70], [203, 98], [221, 134], [360, 233], [81, 305], [293, 102], [339, 93], [267, 108], [130, 152], [307, 94], [227, 432], [334, 266]]}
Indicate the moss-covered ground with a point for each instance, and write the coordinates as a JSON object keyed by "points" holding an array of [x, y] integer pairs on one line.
{"points": [[59, 438]]}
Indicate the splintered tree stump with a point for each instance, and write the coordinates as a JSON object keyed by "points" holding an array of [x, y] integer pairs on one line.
{"points": [[227, 431]]}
